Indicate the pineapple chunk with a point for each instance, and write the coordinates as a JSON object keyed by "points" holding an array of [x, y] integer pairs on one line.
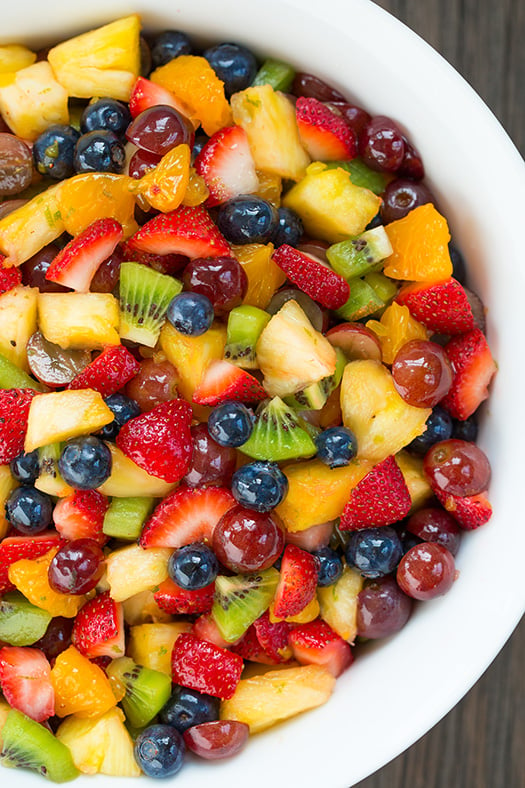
{"points": [[17, 323], [7, 485], [412, 469], [127, 479], [262, 701], [102, 62], [131, 570], [29, 228], [31, 100], [151, 644], [191, 356], [14, 57], [381, 420], [79, 321], [291, 354], [338, 603], [268, 118], [143, 609], [61, 415]]}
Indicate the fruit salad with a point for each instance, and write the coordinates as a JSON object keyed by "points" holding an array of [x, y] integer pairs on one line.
{"points": [[240, 374]]}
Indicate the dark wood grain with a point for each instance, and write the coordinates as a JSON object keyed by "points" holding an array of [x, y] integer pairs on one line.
{"points": [[480, 743]]}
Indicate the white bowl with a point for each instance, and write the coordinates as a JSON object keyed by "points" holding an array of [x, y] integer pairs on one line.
{"points": [[403, 686]]}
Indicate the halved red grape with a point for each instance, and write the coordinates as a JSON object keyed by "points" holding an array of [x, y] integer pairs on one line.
{"points": [[382, 145], [16, 165], [56, 638], [107, 274], [159, 129], [34, 271], [356, 341], [356, 117], [52, 365], [247, 541], [426, 571], [313, 311], [435, 525], [211, 464], [312, 87], [457, 467], [155, 382], [218, 739], [382, 608], [412, 164], [422, 373], [221, 279], [77, 567], [401, 196], [141, 162]]}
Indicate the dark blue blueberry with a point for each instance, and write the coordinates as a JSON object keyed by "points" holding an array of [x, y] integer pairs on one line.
{"points": [[160, 750], [54, 151], [459, 269], [375, 552], [193, 567], [438, 428], [167, 45], [187, 707], [330, 566], [85, 463], [247, 220], [230, 424], [259, 485], [377, 221], [123, 408], [336, 446], [465, 430], [28, 510], [99, 151], [198, 144], [190, 313], [235, 65], [108, 114], [25, 468], [289, 229]]}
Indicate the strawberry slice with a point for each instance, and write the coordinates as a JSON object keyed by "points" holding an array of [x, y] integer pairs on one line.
{"points": [[313, 277], [25, 675], [316, 643], [14, 410], [249, 647], [273, 638], [189, 230], [14, 548], [160, 441], [298, 582], [176, 600], [76, 264], [185, 516], [473, 367], [81, 515], [146, 94], [108, 372], [470, 511], [169, 264], [98, 630], [224, 381], [9, 277], [227, 165], [443, 307], [380, 498], [200, 665], [325, 135]]}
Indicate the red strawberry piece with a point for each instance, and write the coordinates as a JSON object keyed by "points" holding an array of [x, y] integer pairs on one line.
{"points": [[108, 372], [273, 638], [13, 548], [76, 264], [9, 277], [163, 263], [316, 643], [325, 134], [443, 307], [160, 441], [146, 94], [206, 629], [473, 368], [81, 515], [248, 647], [176, 600], [14, 410], [313, 277], [470, 511], [298, 582], [98, 630], [200, 665], [224, 381], [227, 166], [380, 498], [187, 230], [25, 676], [185, 516]]}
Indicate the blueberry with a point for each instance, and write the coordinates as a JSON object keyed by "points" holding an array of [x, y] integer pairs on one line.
{"points": [[235, 65], [187, 707], [190, 313], [123, 408], [160, 750], [54, 151], [465, 430], [377, 221], [459, 269], [247, 220], [438, 428], [193, 567], [375, 552], [230, 424], [259, 485], [198, 144], [26, 467], [108, 114], [99, 151], [85, 463], [336, 446], [330, 566], [169, 44], [28, 510], [289, 228]]}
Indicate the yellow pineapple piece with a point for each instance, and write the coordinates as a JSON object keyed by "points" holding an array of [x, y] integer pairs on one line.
{"points": [[395, 328], [291, 354], [18, 308], [13, 57], [32, 226], [304, 616], [338, 603], [81, 687], [131, 570], [264, 276], [30, 577], [263, 701], [268, 118], [100, 745], [7, 484], [143, 609], [330, 205], [381, 420], [102, 62], [61, 415], [89, 196], [164, 186], [412, 469], [79, 321], [151, 644], [191, 356], [127, 479], [31, 99]]}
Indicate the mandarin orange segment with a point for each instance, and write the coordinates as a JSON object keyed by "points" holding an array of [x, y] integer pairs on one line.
{"points": [[30, 578], [264, 276], [270, 187], [395, 328], [164, 186], [420, 243], [81, 687], [90, 196], [196, 192]]}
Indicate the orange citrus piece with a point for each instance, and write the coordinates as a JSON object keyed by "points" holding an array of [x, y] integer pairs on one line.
{"points": [[420, 243], [90, 196], [264, 276], [270, 187], [165, 185], [396, 328], [197, 192], [30, 577], [81, 687]]}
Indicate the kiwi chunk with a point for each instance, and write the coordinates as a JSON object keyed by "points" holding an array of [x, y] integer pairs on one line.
{"points": [[144, 298], [146, 690], [277, 73], [27, 744], [12, 377], [314, 396], [245, 325], [385, 287], [278, 434], [241, 599], [21, 623], [357, 256], [362, 175], [363, 301], [125, 517]]}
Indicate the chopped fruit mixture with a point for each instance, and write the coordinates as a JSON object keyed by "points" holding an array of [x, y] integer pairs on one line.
{"points": [[240, 375]]}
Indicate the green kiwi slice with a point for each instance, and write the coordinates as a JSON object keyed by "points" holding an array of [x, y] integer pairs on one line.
{"points": [[49, 478], [21, 623], [245, 325], [357, 256], [125, 517], [363, 301], [12, 377], [146, 690], [278, 434], [241, 599], [144, 298], [277, 73], [314, 396]]}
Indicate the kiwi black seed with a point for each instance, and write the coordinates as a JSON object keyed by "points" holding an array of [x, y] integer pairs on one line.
{"points": [[240, 600], [144, 297]]}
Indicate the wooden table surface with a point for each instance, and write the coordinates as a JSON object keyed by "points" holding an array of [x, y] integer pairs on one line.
{"points": [[480, 743]]}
